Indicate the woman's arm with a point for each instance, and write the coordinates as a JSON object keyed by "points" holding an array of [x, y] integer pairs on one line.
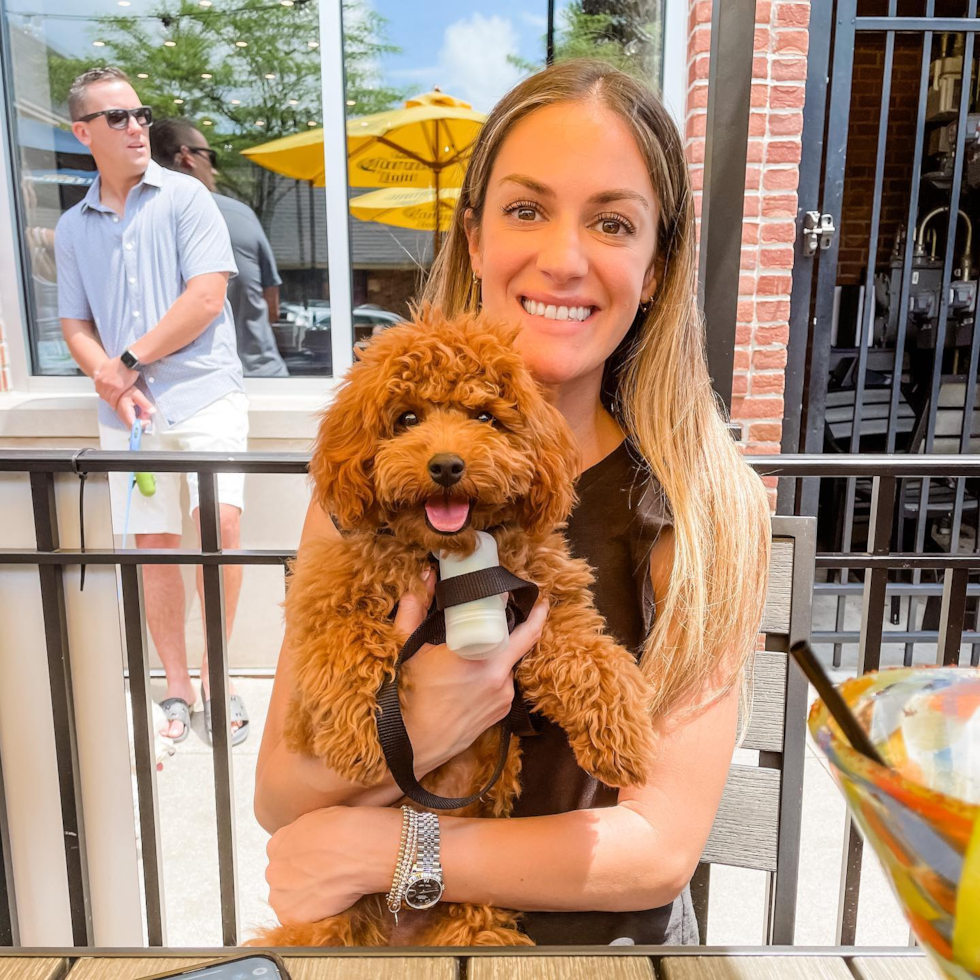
{"points": [[638, 854]]}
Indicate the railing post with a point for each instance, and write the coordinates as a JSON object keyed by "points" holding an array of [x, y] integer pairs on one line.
{"points": [[869, 658], [62, 707], [8, 901], [143, 745], [951, 617], [214, 631]]}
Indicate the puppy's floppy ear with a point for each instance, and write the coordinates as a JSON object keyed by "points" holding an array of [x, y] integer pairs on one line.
{"points": [[343, 457], [552, 495]]}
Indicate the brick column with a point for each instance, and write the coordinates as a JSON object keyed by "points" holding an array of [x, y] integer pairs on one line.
{"points": [[771, 180]]}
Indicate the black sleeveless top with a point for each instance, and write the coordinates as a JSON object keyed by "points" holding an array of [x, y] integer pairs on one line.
{"points": [[619, 514]]}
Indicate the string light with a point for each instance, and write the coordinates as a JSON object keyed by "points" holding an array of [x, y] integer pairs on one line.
{"points": [[170, 44], [207, 122], [352, 101], [123, 3], [294, 101], [259, 122], [270, 75], [312, 122], [178, 101], [142, 74], [205, 74], [98, 44], [241, 44], [236, 101], [204, 3], [313, 44]]}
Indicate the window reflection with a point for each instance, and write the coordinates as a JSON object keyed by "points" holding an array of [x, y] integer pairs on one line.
{"points": [[471, 53]]}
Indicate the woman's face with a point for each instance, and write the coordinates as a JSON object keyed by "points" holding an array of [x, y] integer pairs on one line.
{"points": [[568, 238]]}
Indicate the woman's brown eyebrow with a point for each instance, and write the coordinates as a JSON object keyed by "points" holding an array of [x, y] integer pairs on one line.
{"points": [[603, 197]]}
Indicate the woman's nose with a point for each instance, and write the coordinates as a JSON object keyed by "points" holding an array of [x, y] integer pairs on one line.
{"points": [[562, 254]]}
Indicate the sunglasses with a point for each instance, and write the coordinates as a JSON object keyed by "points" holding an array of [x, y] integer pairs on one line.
{"points": [[119, 118], [212, 154]]}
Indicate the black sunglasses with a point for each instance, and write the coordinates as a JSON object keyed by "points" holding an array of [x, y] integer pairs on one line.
{"points": [[119, 118], [212, 154]]}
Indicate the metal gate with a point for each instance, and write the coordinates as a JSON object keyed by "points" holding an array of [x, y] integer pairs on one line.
{"points": [[883, 353]]}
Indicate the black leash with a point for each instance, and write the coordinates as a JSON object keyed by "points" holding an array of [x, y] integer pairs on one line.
{"points": [[395, 743]]}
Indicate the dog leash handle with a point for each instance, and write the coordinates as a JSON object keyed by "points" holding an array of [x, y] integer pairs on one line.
{"points": [[395, 743]]}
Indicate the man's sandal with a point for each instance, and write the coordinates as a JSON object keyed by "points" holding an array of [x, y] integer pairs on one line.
{"points": [[238, 713], [177, 709]]}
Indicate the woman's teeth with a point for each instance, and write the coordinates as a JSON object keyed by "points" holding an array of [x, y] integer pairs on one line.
{"points": [[556, 312]]}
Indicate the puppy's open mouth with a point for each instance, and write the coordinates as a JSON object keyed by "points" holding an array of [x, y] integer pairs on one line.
{"points": [[447, 515]]}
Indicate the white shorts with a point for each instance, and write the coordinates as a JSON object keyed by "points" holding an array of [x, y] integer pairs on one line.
{"points": [[221, 427]]}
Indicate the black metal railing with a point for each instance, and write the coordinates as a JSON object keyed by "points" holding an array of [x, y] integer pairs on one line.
{"points": [[882, 474]]}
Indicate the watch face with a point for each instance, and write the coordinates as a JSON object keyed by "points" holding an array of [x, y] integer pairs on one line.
{"points": [[423, 891]]}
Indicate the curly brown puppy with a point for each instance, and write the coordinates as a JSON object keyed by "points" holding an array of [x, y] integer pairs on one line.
{"points": [[422, 389]]}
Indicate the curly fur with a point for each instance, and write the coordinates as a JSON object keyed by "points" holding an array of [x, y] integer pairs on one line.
{"points": [[370, 474]]}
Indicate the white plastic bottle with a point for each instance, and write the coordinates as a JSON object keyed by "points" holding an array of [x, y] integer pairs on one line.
{"points": [[475, 630]]}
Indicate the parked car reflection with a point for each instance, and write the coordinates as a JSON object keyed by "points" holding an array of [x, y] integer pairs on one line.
{"points": [[304, 338]]}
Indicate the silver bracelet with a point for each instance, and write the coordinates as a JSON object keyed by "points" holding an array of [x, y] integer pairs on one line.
{"points": [[406, 857]]}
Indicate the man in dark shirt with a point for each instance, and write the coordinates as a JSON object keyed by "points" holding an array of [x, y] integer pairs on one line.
{"points": [[254, 292]]}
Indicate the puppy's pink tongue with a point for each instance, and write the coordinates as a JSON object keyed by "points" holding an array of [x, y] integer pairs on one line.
{"points": [[447, 513]]}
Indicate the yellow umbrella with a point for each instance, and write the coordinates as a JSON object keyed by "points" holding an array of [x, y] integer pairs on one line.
{"points": [[428, 143], [407, 207]]}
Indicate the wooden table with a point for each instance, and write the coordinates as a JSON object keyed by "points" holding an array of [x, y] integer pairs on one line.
{"points": [[579, 963]]}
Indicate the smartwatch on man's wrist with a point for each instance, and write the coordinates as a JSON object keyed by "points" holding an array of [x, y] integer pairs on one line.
{"points": [[130, 360]]}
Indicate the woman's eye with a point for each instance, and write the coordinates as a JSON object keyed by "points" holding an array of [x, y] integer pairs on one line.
{"points": [[486, 417], [406, 419], [522, 210], [614, 225]]}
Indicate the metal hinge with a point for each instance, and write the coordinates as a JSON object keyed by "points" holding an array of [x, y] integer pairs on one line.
{"points": [[818, 231]]}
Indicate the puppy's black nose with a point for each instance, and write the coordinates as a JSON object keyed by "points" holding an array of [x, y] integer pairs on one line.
{"points": [[446, 469]]}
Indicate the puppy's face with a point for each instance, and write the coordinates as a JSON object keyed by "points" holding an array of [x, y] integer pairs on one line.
{"points": [[440, 432]]}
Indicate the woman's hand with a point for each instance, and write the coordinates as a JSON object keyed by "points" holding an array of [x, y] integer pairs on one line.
{"points": [[323, 862], [448, 702]]}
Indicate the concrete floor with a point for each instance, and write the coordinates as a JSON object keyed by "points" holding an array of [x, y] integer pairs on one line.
{"points": [[736, 909]]}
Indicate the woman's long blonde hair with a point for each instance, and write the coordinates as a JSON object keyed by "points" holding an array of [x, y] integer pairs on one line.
{"points": [[657, 385]]}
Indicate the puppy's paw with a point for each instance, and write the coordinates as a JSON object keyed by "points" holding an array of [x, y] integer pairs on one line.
{"points": [[617, 757]]}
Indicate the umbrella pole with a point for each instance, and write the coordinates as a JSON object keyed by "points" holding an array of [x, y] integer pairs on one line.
{"points": [[435, 241]]}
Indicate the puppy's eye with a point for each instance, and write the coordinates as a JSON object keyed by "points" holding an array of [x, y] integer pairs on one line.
{"points": [[486, 417], [406, 420]]}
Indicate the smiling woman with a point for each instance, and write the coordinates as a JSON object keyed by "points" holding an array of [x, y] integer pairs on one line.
{"points": [[575, 225]]}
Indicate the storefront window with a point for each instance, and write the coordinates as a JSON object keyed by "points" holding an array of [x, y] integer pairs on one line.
{"points": [[242, 73], [463, 57], [246, 75]]}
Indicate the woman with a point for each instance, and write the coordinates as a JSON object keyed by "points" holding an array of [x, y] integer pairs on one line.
{"points": [[577, 195]]}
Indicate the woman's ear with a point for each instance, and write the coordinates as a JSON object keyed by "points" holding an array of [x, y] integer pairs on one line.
{"points": [[654, 277], [472, 230]]}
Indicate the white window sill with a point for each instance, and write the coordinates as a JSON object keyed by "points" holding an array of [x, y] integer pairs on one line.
{"points": [[74, 415]]}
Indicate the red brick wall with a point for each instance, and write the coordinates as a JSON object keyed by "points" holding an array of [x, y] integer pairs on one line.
{"points": [[862, 148], [771, 179]]}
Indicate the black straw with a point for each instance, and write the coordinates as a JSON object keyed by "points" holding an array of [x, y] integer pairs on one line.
{"points": [[803, 654]]}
